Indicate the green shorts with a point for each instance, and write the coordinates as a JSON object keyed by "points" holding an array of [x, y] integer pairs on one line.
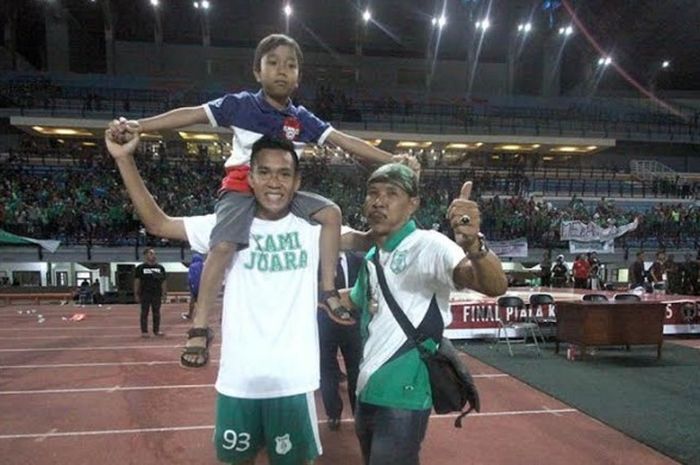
{"points": [[286, 426]]}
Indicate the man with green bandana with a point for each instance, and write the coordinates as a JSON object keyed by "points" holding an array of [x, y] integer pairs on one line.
{"points": [[422, 268]]}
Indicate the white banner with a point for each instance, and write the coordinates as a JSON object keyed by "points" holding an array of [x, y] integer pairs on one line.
{"points": [[512, 248], [596, 246], [591, 232]]}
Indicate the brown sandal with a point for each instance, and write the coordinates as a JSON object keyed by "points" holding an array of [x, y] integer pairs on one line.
{"points": [[202, 353]]}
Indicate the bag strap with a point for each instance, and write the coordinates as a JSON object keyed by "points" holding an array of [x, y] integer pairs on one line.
{"points": [[401, 318]]}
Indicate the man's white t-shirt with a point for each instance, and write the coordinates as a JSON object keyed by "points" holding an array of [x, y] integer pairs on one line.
{"points": [[269, 343], [419, 268]]}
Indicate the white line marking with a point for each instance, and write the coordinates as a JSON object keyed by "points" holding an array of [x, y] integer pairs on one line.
{"points": [[107, 389], [492, 375], [80, 336], [554, 412], [86, 365], [511, 413], [60, 349], [106, 432], [210, 427], [84, 328], [44, 436]]}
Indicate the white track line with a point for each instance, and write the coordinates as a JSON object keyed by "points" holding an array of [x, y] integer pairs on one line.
{"points": [[54, 434], [97, 336], [61, 349], [110, 389], [96, 364], [86, 328]]}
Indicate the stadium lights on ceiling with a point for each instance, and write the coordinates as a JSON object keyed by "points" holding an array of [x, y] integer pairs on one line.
{"points": [[439, 22], [483, 24], [154, 3], [525, 27], [665, 64], [203, 4], [287, 10], [366, 16], [566, 31], [604, 61]]}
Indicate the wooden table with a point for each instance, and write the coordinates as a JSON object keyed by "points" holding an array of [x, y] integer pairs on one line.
{"points": [[589, 324]]}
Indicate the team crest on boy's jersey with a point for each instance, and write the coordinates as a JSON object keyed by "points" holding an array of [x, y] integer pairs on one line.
{"points": [[283, 444], [399, 262], [291, 128]]}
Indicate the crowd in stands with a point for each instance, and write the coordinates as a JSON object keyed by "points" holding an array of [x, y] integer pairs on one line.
{"points": [[84, 203]]}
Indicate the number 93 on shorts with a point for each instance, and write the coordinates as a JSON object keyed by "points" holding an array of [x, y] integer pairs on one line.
{"points": [[287, 427]]}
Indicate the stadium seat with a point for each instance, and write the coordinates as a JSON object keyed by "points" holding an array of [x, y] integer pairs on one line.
{"points": [[594, 298], [536, 302]]}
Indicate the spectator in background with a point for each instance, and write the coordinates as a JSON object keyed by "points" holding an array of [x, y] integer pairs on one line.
{"points": [[560, 273], [336, 335], [691, 270], [636, 272], [96, 294], [546, 269], [581, 271], [149, 290], [594, 273], [194, 274], [656, 270], [674, 276]]}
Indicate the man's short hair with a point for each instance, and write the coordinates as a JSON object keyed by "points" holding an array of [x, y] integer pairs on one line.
{"points": [[274, 143], [273, 41], [148, 249]]}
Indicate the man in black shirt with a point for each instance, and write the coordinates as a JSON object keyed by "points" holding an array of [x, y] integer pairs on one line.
{"points": [[149, 289], [334, 336], [636, 272]]}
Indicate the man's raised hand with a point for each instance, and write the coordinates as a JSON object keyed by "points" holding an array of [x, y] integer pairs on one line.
{"points": [[464, 217]]}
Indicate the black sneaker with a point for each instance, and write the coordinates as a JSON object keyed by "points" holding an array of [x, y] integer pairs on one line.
{"points": [[334, 424]]}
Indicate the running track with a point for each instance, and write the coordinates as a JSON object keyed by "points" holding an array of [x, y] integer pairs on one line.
{"points": [[94, 392]]}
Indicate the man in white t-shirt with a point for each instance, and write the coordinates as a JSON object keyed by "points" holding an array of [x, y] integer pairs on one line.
{"points": [[421, 268], [269, 350]]}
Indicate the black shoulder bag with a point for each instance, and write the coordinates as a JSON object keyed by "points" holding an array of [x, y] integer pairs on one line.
{"points": [[450, 382]]}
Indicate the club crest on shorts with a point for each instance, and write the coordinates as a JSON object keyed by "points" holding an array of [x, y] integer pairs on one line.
{"points": [[291, 128], [283, 444], [399, 262]]}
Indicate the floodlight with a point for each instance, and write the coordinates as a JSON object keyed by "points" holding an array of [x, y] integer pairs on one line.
{"points": [[566, 31], [665, 64], [366, 16], [524, 27], [287, 10], [205, 4], [154, 3], [483, 24]]}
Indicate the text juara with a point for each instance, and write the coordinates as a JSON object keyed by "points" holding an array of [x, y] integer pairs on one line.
{"points": [[276, 252]]}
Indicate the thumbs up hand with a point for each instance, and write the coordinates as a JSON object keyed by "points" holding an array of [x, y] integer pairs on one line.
{"points": [[465, 218]]}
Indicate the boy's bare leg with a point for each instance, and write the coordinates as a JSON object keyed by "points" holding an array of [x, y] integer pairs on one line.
{"points": [[215, 265], [330, 219]]}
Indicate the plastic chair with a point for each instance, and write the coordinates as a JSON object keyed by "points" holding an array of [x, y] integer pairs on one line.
{"points": [[511, 302], [627, 298], [595, 298]]}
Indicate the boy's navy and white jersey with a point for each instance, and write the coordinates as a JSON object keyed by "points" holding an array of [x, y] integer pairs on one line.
{"points": [[250, 117], [269, 343]]}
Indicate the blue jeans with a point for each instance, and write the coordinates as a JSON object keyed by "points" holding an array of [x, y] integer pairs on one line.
{"points": [[390, 436]]}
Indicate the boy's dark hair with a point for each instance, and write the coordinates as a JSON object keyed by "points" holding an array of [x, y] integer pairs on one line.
{"points": [[148, 249], [270, 43], [269, 142]]}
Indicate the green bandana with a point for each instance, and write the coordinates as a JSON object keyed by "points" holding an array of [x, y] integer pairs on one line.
{"points": [[400, 175]]}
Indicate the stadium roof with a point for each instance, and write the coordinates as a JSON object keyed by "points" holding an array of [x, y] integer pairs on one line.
{"points": [[639, 35]]}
